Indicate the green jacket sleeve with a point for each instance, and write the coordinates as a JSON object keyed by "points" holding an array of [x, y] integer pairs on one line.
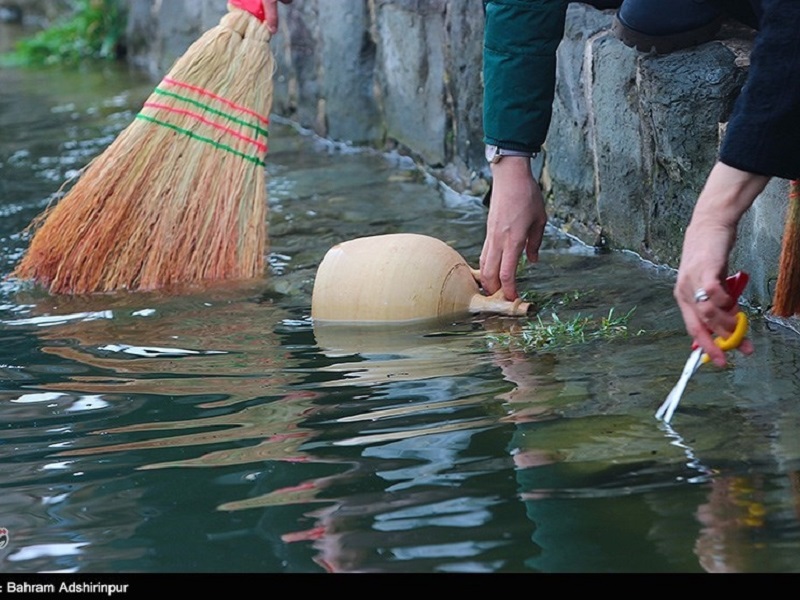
{"points": [[519, 70]]}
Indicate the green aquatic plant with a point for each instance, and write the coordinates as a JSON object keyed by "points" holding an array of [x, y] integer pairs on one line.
{"points": [[550, 301], [554, 332], [95, 30]]}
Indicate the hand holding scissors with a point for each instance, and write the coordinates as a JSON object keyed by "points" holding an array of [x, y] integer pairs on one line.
{"points": [[736, 284]]}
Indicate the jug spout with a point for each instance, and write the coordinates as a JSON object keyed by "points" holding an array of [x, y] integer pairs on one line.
{"points": [[497, 303]]}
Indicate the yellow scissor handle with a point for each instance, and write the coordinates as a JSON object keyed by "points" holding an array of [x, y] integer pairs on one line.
{"points": [[734, 339]]}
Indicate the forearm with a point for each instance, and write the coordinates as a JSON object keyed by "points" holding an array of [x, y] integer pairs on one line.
{"points": [[726, 196], [711, 234]]}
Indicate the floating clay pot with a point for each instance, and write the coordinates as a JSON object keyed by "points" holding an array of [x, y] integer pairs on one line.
{"points": [[397, 278]]}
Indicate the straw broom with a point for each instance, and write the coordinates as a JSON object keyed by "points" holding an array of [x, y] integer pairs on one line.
{"points": [[786, 299], [180, 195]]}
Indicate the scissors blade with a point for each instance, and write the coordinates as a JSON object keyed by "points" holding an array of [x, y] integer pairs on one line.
{"points": [[669, 405]]}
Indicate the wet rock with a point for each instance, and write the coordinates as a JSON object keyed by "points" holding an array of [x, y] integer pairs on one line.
{"points": [[10, 13], [34, 12]]}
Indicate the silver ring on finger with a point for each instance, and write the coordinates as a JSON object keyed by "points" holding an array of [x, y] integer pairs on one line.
{"points": [[700, 295]]}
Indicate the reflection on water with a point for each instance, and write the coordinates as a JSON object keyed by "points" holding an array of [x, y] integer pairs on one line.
{"points": [[217, 428]]}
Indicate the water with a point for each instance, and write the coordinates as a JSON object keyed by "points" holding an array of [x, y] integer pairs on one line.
{"points": [[218, 430]]}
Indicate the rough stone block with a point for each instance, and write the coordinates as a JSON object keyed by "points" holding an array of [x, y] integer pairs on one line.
{"points": [[410, 38]]}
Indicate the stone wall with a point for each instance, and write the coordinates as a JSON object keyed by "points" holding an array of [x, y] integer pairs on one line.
{"points": [[39, 13], [632, 139], [634, 136]]}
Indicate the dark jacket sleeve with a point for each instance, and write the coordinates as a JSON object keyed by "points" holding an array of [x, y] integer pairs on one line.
{"points": [[763, 133], [519, 70]]}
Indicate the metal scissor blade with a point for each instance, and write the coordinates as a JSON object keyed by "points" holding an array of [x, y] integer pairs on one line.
{"points": [[669, 405]]}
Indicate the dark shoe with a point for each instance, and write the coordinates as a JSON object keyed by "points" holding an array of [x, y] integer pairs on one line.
{"points": [[666, 25], [601, 4]]}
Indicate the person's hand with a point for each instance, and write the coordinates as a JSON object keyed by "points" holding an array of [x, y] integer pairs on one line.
{"points": [[271, 12], [707, 244], [515, 223]]}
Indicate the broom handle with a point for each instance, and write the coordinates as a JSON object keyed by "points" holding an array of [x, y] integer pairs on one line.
{"points": [[254, 7]]}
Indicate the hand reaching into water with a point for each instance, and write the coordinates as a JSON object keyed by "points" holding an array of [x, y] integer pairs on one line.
{"points": [[707, 244], [516, 223]]}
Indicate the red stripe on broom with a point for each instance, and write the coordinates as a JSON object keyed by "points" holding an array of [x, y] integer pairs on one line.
{"points": [[202, 119], [225, 101], [200, 138], [207, 108]]}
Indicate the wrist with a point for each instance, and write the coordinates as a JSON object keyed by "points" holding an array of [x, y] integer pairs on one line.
{"points": [[495, 153], [512, 166]]}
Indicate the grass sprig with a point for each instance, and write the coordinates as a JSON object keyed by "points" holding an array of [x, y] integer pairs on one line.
{"points": [[554, 332]]}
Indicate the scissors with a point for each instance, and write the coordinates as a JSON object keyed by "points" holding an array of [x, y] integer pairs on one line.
{"points": [[736, 283]]}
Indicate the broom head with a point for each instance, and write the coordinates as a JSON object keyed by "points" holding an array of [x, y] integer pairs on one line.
{"points": [[180, 195]]}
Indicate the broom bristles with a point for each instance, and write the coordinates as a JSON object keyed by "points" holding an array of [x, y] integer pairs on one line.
{"points": [[786, 300], [180, 195]]}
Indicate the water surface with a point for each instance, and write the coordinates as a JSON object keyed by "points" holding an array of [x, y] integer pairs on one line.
{"points": [[216, 429]]}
